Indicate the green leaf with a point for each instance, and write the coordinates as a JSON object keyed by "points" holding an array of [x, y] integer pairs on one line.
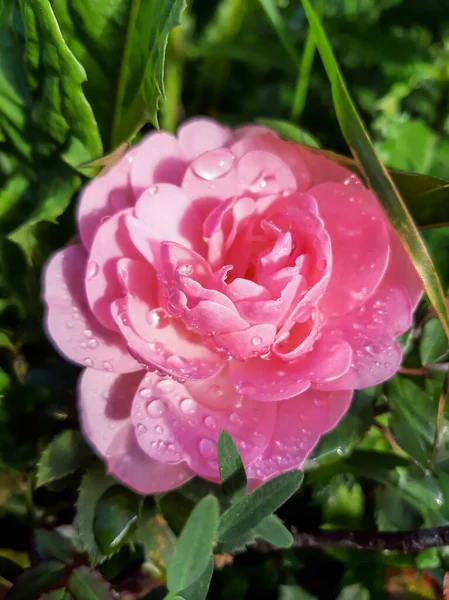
{"points": [[232, 471], [290, 132], [194, 546], [376, 174], [433, 346], [64, 455], [94, 483], [61, 594], [88, 585], [347, 434], [354, 592], [273, 531], [116, 514], [37, 580], [141, 78], [199, 588], [55, 78], [158, 540], [413, 417], [260, 503], [51, 544], [275, 18], [5, 342], [294, 592]]}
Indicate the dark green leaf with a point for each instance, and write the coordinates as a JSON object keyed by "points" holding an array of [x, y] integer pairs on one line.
{"points": [[376, 174], [55, 77], [116, 514], [199, 588], [51, 544], [194, 546], [294, 592], [273, 531], [158, 540], [273, 14], [434, 346], [62, 456], [37, 580], [290, 132], [88, 585], [94, 483], [354, 592], [61, 594], [248, 512], [232, 471]]}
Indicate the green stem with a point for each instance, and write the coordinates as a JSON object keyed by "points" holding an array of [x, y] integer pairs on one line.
{"points": [[302, 83], [173, 81]]}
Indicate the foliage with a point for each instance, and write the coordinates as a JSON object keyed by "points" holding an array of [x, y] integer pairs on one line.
{"points": [[77, 81]]}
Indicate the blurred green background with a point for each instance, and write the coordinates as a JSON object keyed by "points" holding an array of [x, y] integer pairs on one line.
{"points": [[61, 64]]}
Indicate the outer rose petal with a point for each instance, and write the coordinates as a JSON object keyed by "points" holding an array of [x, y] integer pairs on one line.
{"points": [[323, 170], [130, 465], [171, 426], [158, 159], [104, 404], [300, 423], [370, 330], [360, 245], [70, 324], [102, 197], [276, 379], [200, 135], [111, 243], [401, 269]]}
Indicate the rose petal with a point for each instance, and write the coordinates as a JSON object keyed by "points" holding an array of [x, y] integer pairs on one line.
{"points": [[171, 426], [300, 422], [69, 322], [200, 135], [401, 269], [111, 243], [103, 196], [171, 349], [104, 404], [322, 169], [244, 344], [360, 245], [131, 466], [158, 159]]}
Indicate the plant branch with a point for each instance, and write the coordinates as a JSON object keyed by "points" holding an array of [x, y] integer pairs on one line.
{"points": [[404, 541]]}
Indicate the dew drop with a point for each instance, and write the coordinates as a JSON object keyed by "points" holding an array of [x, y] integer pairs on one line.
{"points": [[165, 386], [153, 190], [87, 333], [216, 390], [156, 408], [207, 448], [158, 318], [214, 164], [92, 270], [256, 341], [234, 418], [92, 343], [107, 366], [185, 270], [210, 422], [159, 430], [188, 406], [141, 428], [245, 388], [145, 393], [69, 324], [88, 362]]}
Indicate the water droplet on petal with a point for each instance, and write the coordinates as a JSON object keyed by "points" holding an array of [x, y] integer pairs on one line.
{"points": [[92, 343], [145, 393], [159, 430], [207, 448], [153, 190], [165, 385], [92, 270], [158, 318], [214, 164], [141, 428], [88, 333], [69, 324], [156, 408], [188, 406], [185, 270], [107, 366], [210, 422], [246, 388], [88, 362], [234, 418], [256, 341], [216, 390]]}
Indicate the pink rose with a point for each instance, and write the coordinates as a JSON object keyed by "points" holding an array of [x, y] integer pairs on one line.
{"points": [[224, 280]]}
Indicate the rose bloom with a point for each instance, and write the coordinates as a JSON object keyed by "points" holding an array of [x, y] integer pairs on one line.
{"points": [[224, 280]]}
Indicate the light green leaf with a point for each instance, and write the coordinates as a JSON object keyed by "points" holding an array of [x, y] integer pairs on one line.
{"points": [[248, 512], [194, 546], [294, 592], [63, 455], [158, 540], [141, 79], [94, 483], [199, 588], [115, 519], [354, 592], [290, 132], [273, 531], [375, 173], [55, 79], [232, 471], [88, 585], [433, 346]]}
